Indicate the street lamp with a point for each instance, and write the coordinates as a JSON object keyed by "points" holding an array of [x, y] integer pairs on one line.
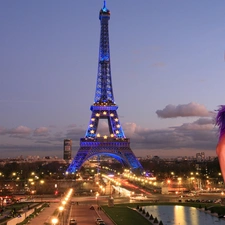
{"points": [[61, 208], [64, 202], [179, 182], [97, 194], [119, 188], [54, 221], [42, 181]]}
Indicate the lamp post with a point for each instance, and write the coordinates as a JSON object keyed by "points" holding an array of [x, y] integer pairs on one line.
{"points": [[97, 194], [119, 189], [179, 183]]}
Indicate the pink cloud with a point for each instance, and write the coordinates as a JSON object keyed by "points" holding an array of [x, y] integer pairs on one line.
{"points": [[41, 131], [186, 110], [19, 132]]}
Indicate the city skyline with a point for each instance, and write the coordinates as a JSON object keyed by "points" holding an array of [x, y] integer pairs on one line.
{"points": [[167, 74]]}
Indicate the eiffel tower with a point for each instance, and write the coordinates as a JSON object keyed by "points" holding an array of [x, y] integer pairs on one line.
{"points": [[115, 145]]}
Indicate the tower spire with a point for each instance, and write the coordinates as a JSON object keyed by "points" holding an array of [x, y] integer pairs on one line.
{"points": [[104, 90], [104, 8]]}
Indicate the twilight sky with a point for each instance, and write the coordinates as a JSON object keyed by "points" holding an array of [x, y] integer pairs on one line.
{"points": [[167, 60]]}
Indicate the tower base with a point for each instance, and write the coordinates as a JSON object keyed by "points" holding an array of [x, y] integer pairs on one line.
{"points": [[118, 149]]}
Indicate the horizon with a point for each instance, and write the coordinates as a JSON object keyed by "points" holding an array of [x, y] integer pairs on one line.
{"points": [[138, 156]]}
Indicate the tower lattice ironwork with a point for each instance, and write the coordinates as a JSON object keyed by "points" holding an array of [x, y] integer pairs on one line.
{"points": [[115, 145]]}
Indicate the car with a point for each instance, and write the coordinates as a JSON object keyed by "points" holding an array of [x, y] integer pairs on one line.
{"points": [[73, 222], [99, 221], [218, 201], [92, 207]]}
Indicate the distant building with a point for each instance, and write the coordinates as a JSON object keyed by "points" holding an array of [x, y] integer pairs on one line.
{"points": [[200, 157], [67, 149]]}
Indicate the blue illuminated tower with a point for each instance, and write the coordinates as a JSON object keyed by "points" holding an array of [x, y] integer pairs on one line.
{"points": [[115, 145]]}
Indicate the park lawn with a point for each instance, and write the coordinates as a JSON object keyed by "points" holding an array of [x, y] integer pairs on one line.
{"points": [[218, 209], [123, 215]]}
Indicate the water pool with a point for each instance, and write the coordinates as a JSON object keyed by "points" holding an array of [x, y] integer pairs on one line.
{"points": [[181, 215]]}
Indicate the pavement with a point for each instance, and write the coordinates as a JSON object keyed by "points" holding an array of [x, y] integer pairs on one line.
{"points": [[45, 216]]}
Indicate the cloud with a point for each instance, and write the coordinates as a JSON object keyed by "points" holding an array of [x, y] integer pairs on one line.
{"points": [[2, 131], [75, 133], [41, 135], [187, 110], [19, 132], [200, 124], [41, 131], [204, 121], [134, 131], [200, 135]]}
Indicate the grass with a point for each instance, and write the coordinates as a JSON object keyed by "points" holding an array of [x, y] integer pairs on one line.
{"points": [[123, 214]]}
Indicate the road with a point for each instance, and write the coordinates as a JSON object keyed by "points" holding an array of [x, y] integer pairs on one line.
{"points": [[87, 214]]}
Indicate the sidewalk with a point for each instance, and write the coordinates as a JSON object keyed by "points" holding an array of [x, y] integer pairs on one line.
{"points": [[45, 216], [101, 214]]}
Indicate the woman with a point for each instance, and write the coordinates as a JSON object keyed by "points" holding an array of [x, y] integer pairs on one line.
{"points": [[220, 149]]}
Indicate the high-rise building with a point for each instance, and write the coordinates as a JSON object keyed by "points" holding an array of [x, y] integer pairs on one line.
{"points": [[67, 149]]}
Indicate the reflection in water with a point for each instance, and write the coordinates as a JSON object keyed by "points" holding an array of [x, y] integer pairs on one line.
{"points": [[180, 215], [193, 215]]}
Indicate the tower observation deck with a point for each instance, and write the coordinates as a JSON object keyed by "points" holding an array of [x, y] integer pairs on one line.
{"points": [[116, 145]]}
